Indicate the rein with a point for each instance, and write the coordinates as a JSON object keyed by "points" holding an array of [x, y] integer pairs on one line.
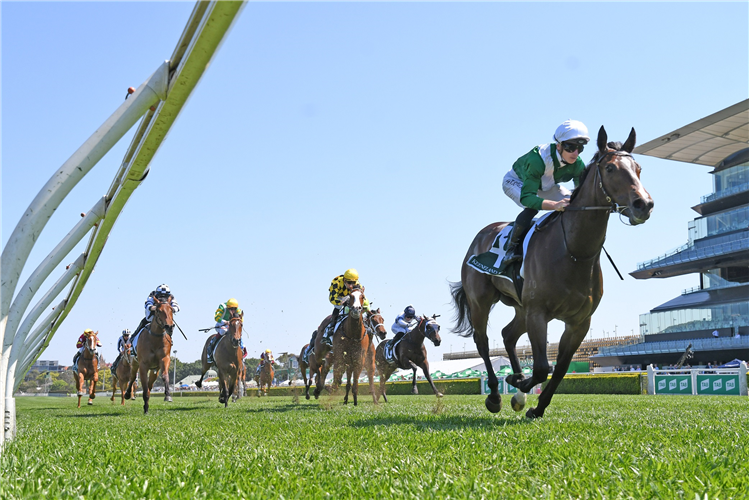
{"points": [[369, 324], [613, 207]]}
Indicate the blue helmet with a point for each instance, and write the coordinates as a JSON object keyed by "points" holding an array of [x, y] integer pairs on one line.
{"points": [[409, 312]]}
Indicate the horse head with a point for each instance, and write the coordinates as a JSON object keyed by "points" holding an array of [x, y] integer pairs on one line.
{"points": [[127, 353], [91, 340], [619, 176], [163, 315], [376, 323], [432, 330], [355, 303], [235, 329]]}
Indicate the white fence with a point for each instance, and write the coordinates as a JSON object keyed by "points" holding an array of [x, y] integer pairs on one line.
{"points": [[158, 101]]}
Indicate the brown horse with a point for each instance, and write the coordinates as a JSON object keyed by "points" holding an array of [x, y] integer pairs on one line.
{"points": [[88, 368], [241, 382], [265, 378], [227, 358], [410, 353], [350, 348], [563, 277], [121, 376], [152, 352]]}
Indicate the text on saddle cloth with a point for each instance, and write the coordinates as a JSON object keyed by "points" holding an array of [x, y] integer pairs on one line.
{"points": [[488, 262]]}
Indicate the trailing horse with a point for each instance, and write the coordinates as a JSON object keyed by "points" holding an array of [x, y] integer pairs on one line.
{"points": [[265, 378], [227, 358], [351, 344], [121, 376], [562, 272], [88, 369], [153, 348], [410, 354], [313, 368]]}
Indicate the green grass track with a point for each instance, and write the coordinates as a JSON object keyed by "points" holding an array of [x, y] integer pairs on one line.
{"points": [[413, 447]]}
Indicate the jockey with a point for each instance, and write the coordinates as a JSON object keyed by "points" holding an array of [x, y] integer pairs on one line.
{"points": [[224, 313], [404, 323], [161, 293], [81, 344], [265, 357], [533, 181], [340, 289], [121, 342]]}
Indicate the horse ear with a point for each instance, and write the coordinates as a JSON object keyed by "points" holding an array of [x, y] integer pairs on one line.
{"points": [[629, 145], [602, 140]]}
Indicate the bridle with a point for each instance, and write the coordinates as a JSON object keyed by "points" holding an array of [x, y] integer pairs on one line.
{"points": [[373, 329], [158, 321], [233, 340], [92, 338], [612, 207]]}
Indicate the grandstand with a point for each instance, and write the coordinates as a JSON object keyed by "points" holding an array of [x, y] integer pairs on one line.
{"points": [[581, 361], [713, 316]]}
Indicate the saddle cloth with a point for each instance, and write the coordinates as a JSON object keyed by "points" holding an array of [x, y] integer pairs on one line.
{"points": [[488, 262], [341, 319], [390, 356], [307, 352], [211, 349]]}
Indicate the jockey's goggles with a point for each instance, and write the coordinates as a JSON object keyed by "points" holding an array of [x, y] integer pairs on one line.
{"points": [[409, 318], [350, 283], [571, 148]]}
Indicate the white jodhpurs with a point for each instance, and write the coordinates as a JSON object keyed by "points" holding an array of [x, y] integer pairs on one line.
{"points": [[512, 185]]}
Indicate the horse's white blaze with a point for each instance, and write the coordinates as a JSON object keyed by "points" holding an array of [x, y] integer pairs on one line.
{"points": [[357, 298]]}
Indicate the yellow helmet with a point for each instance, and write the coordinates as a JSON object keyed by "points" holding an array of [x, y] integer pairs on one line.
{"points": [[88, 330], [232, 303], [351, 275], [268, 351]]}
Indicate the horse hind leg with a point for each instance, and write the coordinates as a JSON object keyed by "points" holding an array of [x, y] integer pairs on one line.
{"points": [[479, 321], [510, 335]]}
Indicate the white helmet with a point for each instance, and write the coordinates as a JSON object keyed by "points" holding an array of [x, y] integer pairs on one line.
{"points": [[163, 290], [126, 332], [572, 131]]}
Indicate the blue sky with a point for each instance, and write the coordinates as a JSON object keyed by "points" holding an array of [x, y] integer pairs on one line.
{"points": [[333, 135]]}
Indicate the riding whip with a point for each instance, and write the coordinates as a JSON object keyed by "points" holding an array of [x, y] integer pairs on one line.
{"points": [[206, 329], [180, 329], [612, 263]]}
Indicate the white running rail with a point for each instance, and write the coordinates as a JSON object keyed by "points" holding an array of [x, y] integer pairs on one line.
{"points": [[158, 101]]}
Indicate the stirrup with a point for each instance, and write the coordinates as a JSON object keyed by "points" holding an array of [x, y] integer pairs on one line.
{"points": [[509, 260], [326, 341]]}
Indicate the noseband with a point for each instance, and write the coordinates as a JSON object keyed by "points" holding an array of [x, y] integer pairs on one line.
{"points": [[159, 322], [376, 325]]}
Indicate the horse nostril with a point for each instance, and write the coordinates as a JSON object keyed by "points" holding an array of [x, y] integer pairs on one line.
{"points": [[638, 204]]}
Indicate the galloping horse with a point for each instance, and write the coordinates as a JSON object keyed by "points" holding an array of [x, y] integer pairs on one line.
{"points": [[563, 277], [350, 348], [122, 376], [410, 353], [265, 378], [88, 369], [153, 347], [227, 358]]}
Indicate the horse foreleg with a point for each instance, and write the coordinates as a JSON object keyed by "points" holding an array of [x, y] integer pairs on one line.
{"points": [[144, 375], [425, 369], [79, 387], [537, 333], [92, 392], [568, 345], [165, 377], [133, 375], [114, 388], [414, 389]]}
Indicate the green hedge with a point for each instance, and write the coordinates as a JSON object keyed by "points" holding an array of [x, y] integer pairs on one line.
{"points": [[454, 386], [602, 383]]}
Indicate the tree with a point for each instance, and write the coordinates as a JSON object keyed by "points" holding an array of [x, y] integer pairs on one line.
{"points": [[60, 385]]}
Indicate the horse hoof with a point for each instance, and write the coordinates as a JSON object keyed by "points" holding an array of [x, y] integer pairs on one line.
{"points": [[439, 395], [492, 406], [306, 396], [93, 396], [90, 403], [518, 401], [531, 414], [168, 399]]}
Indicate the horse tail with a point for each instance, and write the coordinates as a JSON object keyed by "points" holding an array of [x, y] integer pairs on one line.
{"points": [[463, 325]]}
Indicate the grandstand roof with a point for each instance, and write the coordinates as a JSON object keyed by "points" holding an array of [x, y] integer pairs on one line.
{"points": [[708, 141]]}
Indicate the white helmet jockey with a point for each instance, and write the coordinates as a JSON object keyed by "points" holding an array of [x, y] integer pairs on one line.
{"points": [[162, 291], [572, 131]]}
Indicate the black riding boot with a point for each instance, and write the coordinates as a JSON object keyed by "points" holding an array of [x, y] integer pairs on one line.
{"points": [[515, 244], [142, 323], [327, 338], [75, 358]]}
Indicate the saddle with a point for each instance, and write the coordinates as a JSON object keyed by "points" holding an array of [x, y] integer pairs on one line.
{"points": [[212, 343]]}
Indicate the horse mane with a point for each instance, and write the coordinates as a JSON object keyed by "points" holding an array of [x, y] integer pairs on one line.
{"points": [[615, 145]]}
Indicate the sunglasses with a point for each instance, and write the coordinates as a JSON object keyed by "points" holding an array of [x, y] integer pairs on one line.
{"points": [[409, 318], [351, 283], [571, 148]]}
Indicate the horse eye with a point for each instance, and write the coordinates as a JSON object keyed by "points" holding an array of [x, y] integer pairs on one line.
{"points": [[610, 167]]}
